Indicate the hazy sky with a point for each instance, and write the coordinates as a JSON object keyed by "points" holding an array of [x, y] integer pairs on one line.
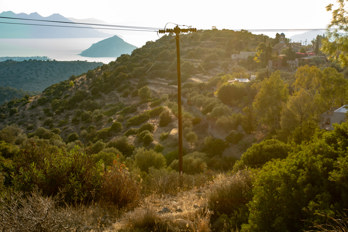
{"points": [[229, 14]]}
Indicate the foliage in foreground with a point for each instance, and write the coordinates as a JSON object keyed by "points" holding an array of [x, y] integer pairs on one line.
{"points": [[290, 194], [73, 174]]}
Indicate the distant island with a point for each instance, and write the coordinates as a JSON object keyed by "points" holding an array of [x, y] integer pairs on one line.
{"points": [[110, 47]]}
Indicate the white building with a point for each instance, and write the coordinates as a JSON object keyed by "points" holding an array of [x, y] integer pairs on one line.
{"points": [[337, 116]]}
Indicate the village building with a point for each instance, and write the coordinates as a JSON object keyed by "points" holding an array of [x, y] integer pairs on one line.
{"points": [[337, 116]]}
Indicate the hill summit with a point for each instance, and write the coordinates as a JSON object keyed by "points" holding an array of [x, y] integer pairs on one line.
{"points": [[110, 47]]}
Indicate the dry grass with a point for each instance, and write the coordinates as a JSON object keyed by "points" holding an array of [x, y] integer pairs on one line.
{"points": [[19, 212], [333, 225], [183, 211], [228, 201], [149, 220], [168, 182]]}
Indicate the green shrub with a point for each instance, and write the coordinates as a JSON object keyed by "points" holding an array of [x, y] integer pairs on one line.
{"points": [[224, 163], [156, 102], [116, 127], [131, 131], [144, 159], [228, 202], [72, 137], [291, 194], [165, 118], [86, 116], [258, 154], [103, 134], [96, 147], [108, 156], [232, 94], [220, 110], [123, 145], [191, 137], [164, 135], [234, 137], [192, 163], [228, 123], [138, 119], [158, 148], [129, 110], [43, 133], [214, 146], [156, 111], [53, 170], [8, 150], [146, 126], [145, 93], [10, 133], [145, 137]]}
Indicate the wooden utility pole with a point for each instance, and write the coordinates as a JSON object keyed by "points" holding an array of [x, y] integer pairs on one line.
{"points": [[177, 30]]}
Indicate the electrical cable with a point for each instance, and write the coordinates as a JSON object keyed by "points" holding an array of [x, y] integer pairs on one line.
{"points": [[88, 24], [105, 28], [139, 28]]}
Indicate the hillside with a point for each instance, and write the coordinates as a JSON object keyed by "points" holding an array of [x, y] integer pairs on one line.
{"points": [[138, 88], [101, 147], [30, 31], [36, 75], [8, 93], [110, 47]]}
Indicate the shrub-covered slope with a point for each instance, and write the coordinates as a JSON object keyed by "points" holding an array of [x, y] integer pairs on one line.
{"points": [[121, 98], [36, 75]]}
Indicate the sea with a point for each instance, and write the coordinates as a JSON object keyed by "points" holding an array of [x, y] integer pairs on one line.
{"points": [[66, 49]]}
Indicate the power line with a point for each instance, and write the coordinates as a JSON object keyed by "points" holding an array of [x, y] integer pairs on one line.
{"points": [[89, 24], [154, 29], [105, 28]]}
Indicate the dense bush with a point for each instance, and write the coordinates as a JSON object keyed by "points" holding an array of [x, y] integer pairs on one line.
{"points": [[156, 111], [123, 145], [192, 163], [232, 94], [43, 133], [147, 126], [115, 127], [165, 118], [214, 146], [291, 194], [144, 93], [258, 154], [138, 119], [145, 159], [108, 156], [96, 147], [9, 134], [145, 137], [53, 171], [72, 137]]}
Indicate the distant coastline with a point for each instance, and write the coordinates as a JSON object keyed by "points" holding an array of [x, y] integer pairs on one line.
{"points": [[23, 58]]}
